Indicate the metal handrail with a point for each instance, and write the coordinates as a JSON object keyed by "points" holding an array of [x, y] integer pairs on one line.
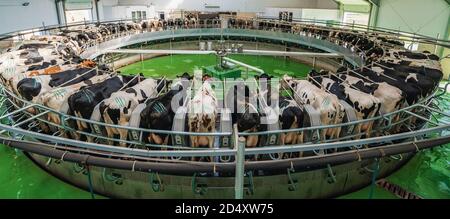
{"points": [[214, 152], [50, 110]]}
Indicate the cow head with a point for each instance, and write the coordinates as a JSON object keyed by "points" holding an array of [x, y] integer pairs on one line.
{"points": [[287, 82], [185, 76], [341, 69], [132, 79], [313, 73], [29, 88], [263, 76]]}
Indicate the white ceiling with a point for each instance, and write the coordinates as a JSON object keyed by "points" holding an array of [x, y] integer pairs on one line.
{"points": [[353, 2]]}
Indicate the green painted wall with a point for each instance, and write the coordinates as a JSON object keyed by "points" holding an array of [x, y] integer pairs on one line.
{"points": [[429, 18], [356, 8], [446, 52], [426, 17]]}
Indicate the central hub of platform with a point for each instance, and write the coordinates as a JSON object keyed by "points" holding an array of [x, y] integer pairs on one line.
{"points": [[222, 72]]}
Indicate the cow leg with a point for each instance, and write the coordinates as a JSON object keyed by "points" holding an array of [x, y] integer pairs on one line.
{"points": [[358, 131], [211, 145], [109, 130], [252, 141], [123, 132], [90, 138], [282, 139], [337, 134], [194, 144], [323, 134], [80, 127], [123, 136], [300, 141]]}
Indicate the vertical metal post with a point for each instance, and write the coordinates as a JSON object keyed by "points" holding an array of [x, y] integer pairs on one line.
{"points": [[142, 59], [376, 169], [43, 27], [410, 47], [240, 158], [314, 62], [435, 45]]}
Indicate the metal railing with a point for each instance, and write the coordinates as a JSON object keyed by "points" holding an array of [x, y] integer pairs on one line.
{"points": [[346, 141]]}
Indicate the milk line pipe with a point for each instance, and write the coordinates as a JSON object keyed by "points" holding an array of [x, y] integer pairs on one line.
{"points": [[225, 152], [270, 166]]}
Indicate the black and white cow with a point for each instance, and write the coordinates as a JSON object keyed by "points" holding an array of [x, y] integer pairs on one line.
{"points": [[30, 88], [83, 102], [56, 99], [408, 67], [327, 104], [117, 109], [391, 97], [50, 70], [411, 91], [244, 112], [425, 83], [291, 116], [159, 113], [366, 105], [202, 114]]}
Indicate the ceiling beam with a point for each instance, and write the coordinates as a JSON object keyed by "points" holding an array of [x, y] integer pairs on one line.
{"points": [[377, 2]]}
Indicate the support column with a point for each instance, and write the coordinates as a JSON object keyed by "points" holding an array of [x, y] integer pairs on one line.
{"points": [[373, 15], [97, 10], [60, 12]]}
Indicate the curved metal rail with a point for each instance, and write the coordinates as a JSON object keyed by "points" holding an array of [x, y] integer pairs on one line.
{"points": [[24, 125]]}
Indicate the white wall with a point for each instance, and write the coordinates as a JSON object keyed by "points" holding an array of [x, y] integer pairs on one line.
{"points": [[124, 12], [274, 12], [305, 13], [428, 17], [257, 6], [15, 17], [235, 5], [321, 14]]}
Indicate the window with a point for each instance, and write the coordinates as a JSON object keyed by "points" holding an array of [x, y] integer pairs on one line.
{"points": [[138, 15], [78, 16], [356, 18]]}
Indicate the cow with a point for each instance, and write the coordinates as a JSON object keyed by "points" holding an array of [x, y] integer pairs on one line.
{"points": [[83, 102], [411, 91], [30, 88], [391, 97], [245, 113], [409, 67], [425, 83], [291, 116], [50, 70], [366, 105], [55, 99], [32, 56], [159, 114], [117, 109], [202, 114], [331, 111]]}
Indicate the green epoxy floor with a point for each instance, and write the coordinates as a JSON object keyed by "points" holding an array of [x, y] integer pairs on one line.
{"points": [[171, 66], [427, 174]]}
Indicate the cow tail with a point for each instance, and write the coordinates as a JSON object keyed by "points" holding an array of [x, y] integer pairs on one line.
{"points": [[103, 110], [71, 123]]}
